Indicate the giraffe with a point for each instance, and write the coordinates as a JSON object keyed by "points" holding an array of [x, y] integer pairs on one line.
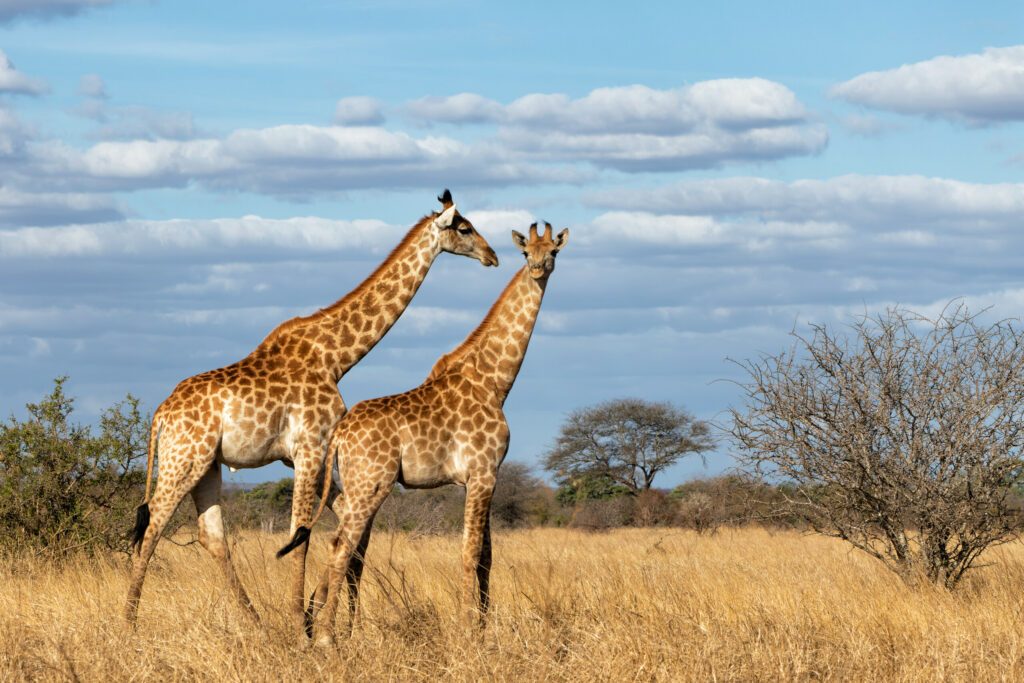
{"points": [[449, 430], [280, 403]]}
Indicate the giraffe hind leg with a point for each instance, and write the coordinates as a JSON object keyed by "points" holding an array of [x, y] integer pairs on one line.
{"points": [[212, 535], [181, 470]]}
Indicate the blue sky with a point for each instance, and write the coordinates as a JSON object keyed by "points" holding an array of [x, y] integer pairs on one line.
{"points": [[178, 178]]}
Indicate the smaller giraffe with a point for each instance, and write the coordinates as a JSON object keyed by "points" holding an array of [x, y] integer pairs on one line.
{"points": [[449, 430]]}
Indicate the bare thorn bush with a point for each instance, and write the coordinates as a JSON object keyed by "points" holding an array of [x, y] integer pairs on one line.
{"points": [[902, 436]]}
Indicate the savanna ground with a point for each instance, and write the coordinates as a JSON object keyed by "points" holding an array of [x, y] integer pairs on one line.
{"points": [[653, 604]]}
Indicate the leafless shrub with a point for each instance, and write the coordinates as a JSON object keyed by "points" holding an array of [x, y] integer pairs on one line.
{"points": [[705, 505], [599, 515], [903, 437]]}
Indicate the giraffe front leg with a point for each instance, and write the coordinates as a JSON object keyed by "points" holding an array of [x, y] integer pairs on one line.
{"points": [[476, 550], [483, 569], [317, 599], [361, 505]]}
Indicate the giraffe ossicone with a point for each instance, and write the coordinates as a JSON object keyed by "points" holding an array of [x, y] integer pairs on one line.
{"points": [[280, 403], [449, 430]]}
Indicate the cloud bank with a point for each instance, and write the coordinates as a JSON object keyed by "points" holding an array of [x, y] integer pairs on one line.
{"points": [[982, 88]]}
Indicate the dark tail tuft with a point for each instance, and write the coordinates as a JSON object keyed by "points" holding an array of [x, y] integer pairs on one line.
{"points": [[300, 537], [141, 524]]}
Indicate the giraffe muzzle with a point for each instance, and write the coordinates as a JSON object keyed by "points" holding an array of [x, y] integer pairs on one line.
{"points": [[489, 258]]}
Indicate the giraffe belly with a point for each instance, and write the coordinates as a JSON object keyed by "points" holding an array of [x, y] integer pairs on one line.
{"points": [[247, 443], [419, 477], [430, 471], [246, 448]]}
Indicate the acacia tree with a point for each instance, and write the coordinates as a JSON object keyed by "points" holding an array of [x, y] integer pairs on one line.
{"points": [[903, 437], [625, 441]]}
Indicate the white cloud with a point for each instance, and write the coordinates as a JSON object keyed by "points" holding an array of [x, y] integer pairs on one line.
{"points": [[222, 277], [358, 111], [132, 122], [424, 320], [731, 103], [539, 139], [637, 152], [637, 128], [683, 230], [227, 317], [278, 238], [893, 202], [287, 161], [978, 88], [49, 208], [462, 108], [14, 81]]}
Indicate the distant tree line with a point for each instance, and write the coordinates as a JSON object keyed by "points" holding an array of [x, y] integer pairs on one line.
{"points": [[67, 488], [522, 500]]}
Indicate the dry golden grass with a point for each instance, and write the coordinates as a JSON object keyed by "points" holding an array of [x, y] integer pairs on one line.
{"points": [[627, 605]]}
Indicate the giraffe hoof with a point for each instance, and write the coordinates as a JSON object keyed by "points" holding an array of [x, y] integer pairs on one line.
{"points": [[325, 641]]}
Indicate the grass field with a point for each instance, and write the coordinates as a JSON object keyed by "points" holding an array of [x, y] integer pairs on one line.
{"points": [[627, 605]]}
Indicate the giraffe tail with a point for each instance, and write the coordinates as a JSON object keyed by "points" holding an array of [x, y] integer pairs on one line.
{"points": [[142, 512], [301, 534]]}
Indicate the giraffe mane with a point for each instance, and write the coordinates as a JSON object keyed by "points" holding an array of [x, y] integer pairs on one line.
{"points": [[297, 321], [459, 352]]}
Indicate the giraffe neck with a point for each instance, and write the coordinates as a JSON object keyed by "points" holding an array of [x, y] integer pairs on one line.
{"points": [[340, 335], [494, 351]]}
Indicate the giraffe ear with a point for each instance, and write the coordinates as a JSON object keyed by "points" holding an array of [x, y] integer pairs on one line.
{"points": [[445, 218], [519, 240], [561, 239]]}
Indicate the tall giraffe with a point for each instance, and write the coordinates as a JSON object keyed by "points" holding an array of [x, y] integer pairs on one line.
{"points": [[281, 402], [449, 430]]}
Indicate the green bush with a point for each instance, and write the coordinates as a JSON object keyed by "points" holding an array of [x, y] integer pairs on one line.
{"points": [[64, 488]]}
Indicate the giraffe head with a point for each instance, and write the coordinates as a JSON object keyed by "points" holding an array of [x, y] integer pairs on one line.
{"points": [[458, 236], [540, 251]]}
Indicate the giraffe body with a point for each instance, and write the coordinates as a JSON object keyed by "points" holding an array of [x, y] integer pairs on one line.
{"points": [[281, 403], [449, 430]]}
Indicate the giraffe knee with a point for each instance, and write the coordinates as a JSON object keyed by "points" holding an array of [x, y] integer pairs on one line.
{"points": [[211, 531]]}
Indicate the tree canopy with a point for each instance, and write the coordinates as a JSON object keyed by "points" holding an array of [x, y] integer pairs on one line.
{"points": [[626, 442]]}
